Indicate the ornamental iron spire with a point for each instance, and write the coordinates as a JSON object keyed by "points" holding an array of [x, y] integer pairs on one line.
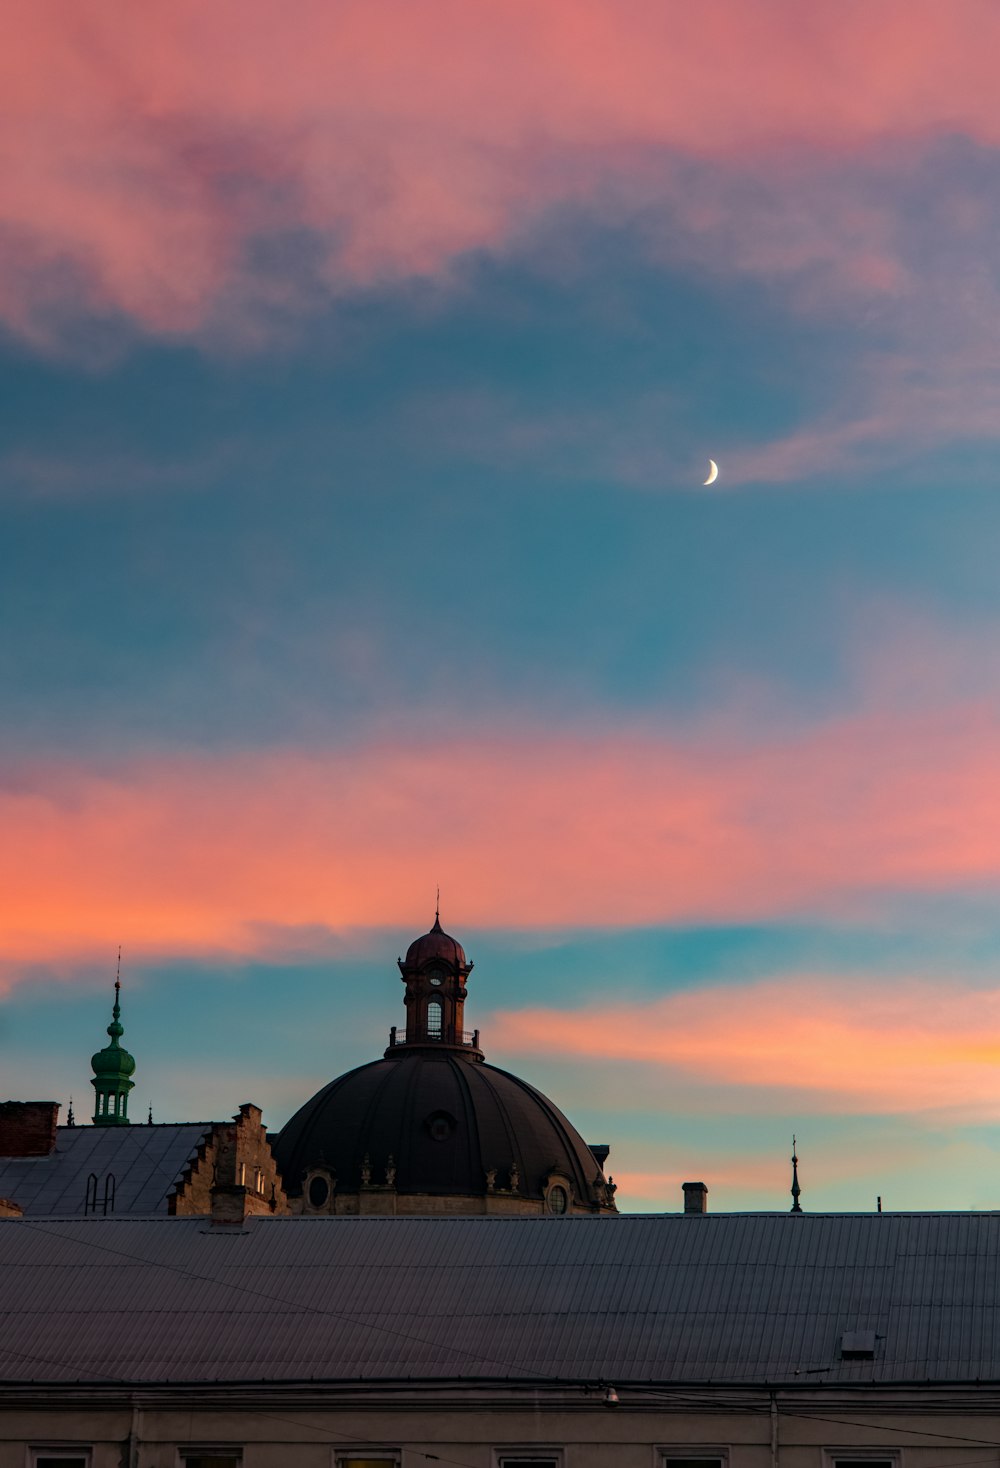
{"points": [[113, 1067], [796, 1190]]}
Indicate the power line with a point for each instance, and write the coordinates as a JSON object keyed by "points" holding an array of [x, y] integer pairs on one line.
{"points": [[356, 1318]]}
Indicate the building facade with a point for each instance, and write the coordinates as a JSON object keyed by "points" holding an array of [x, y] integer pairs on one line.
{"points": [[677, 1341]]}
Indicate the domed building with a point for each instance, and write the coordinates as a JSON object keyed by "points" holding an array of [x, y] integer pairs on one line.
{"points": [[431, 1128]]}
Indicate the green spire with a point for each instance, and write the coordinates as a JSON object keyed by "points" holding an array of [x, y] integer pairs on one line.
{"points": [[112, 1068]]}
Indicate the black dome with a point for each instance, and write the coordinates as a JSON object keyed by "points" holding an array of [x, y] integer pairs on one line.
{"points": [[445, 1121]]}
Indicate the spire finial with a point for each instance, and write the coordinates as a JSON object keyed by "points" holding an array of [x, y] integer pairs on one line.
{"points": [[437, 912], [796, 1190], [113, 1067], [70, 1119]]}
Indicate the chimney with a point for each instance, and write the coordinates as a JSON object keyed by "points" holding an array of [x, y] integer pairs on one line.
{"points": [[28, 1128], [230, 1205], [695, 1198]]}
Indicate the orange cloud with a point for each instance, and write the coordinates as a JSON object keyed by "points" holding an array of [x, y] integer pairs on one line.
{"points": [[833, 1042], [145, 150], [229, 852]]}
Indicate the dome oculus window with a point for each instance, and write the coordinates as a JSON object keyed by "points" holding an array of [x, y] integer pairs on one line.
{"points": [[319, 1191], [440, 1126], [557, 1199]]}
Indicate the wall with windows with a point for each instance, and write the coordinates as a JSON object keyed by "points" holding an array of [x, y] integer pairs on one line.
{"points": [[594, 1434]]}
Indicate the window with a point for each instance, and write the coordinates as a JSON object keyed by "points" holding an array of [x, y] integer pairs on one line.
{"points": [[692, 1458], [440, 1125], [862, 1459], [211, 1455], [518, 1460], [557, 1199], [858, 1345], [65, 1457], [368, 1459], [434, 1020], [319, 1191]]}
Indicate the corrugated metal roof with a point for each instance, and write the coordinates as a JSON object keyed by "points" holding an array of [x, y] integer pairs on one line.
{"points": [[735, 1299], [145, 1162]]}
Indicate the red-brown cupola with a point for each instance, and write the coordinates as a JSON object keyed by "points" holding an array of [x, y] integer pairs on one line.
{"points": [[434, 971]]}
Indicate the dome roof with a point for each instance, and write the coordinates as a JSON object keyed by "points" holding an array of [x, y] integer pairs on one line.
{"points": [[445, 1121], [435, 944], [113, 1061]]}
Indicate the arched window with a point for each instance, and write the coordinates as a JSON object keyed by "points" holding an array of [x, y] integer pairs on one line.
{"points": [[435, 1018], [318, 1191]]}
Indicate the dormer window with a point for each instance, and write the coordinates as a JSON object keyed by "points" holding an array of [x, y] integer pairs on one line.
{"points": [[858, 1345], [318, 1190], [557, 1200]]}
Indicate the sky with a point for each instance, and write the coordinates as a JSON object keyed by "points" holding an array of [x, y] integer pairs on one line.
{"points": [[361, 364]]}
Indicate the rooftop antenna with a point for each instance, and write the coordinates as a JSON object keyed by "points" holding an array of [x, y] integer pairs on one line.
{"points": [[796, 1190]]}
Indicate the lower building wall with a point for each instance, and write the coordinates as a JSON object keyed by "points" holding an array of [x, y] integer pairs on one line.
{"points": [[387, 1203], [590, 1436]]}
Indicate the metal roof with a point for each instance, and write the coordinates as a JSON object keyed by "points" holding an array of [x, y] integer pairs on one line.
{"points": [[145, 1162], [732, 1299]]}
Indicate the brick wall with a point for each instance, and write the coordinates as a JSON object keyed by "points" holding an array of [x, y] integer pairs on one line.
{"points": [[234, 1158], [28, 1128]]}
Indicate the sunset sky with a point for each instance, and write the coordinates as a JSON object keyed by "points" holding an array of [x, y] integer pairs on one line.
{"points": [[360, 366]]}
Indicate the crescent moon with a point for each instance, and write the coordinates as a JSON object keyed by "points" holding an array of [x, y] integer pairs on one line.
{"points": [[713, 472]]}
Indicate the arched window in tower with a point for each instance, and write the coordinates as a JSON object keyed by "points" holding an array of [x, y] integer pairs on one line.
{"points": [[435, 1017]]}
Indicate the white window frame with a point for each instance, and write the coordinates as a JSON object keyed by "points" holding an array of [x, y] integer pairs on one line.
{"points": [[210, 1450], [372, 1454], [83, 1451], [663, 1453], [833, 1456], [509, 1457]]}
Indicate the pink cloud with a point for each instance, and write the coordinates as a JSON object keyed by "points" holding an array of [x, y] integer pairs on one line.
{"points": [[940, 393], [219, 853], [894, 1157], [40, 475], [145, 152], [832, 1042]]}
